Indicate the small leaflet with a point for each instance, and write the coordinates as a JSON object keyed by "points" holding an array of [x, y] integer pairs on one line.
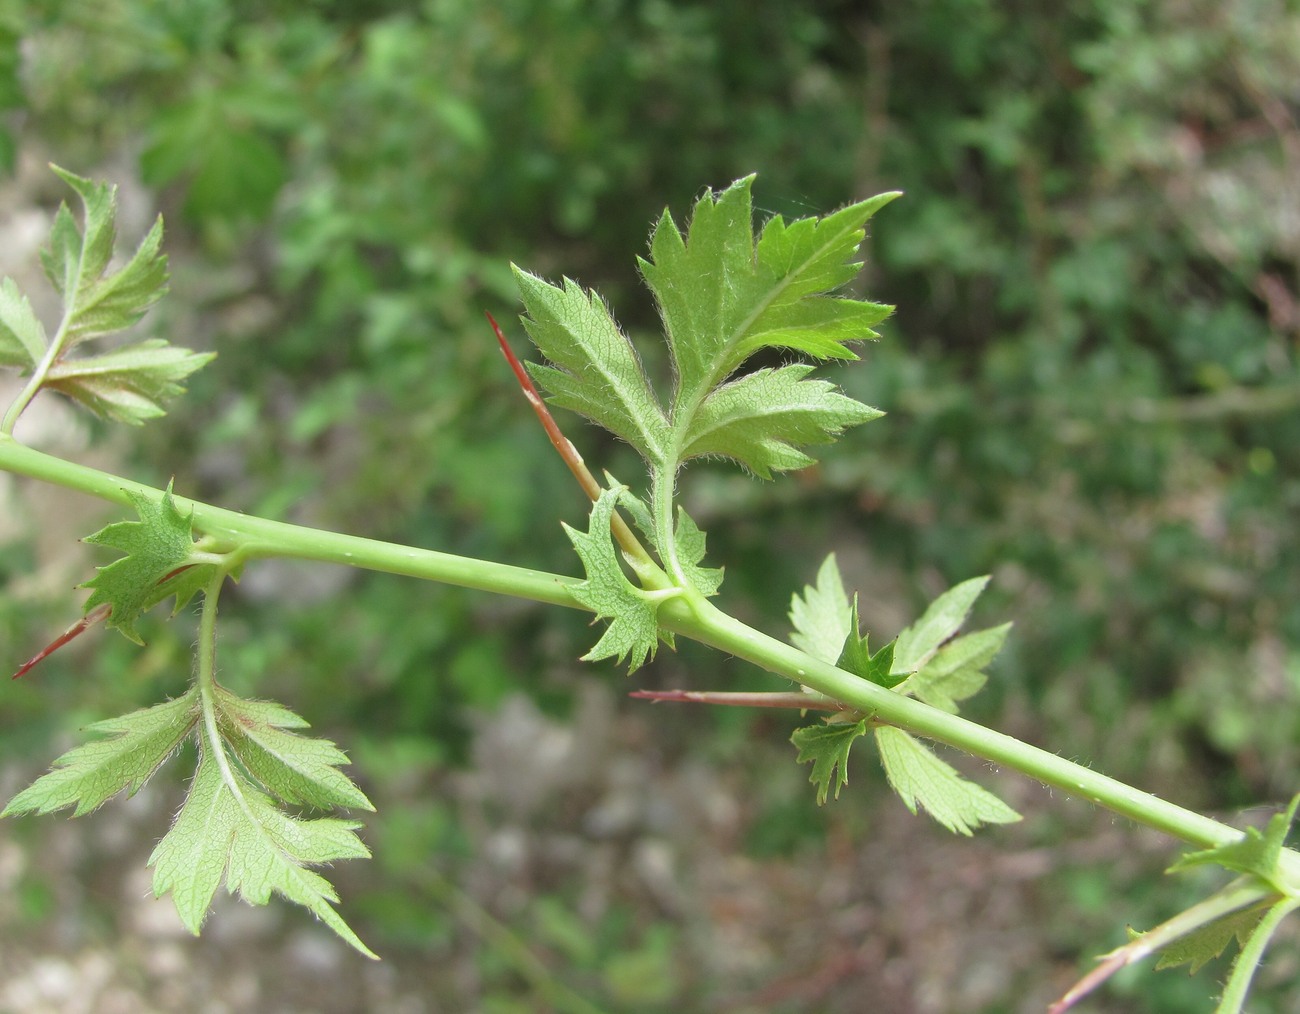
{"points": [[922, 779], [137, 745], [156, 547], [827, 747], [821, 616], [128, 384], [633, 631], [1255, 852], [937, 624]]}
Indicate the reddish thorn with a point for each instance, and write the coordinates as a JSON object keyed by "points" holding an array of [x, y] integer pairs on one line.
{"points": [[796, 700], [96, 615]]}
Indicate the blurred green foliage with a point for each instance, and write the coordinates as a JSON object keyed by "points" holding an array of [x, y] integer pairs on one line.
{"points": [[1091, 377]]}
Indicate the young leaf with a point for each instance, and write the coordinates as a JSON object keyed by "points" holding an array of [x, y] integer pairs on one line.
{"points": [[88, 775], [690, 551], [858, 659], [597, 372], [937, 624], [633, 629], [955, 671], [22, 338], [822, 617], [827, 746], [227, 827], [155, 546], [1255, 852], [761, 419], [722, 298], [128, 384], [922, 779], [293, 768], [1207, 942]]}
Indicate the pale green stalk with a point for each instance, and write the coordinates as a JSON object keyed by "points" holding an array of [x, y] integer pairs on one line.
{"points": [[688, 614]]}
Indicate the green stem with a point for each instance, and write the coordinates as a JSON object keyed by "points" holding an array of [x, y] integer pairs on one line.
{"points": [[1243, 969], [689, 615], [703, 622], [262, 537]]}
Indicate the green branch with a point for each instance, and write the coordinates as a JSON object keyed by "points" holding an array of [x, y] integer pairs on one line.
{"points": [[690, 616]]}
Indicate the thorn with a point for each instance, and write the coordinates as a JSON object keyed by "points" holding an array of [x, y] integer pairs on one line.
{"points": [[96, 615], [796, 700]]}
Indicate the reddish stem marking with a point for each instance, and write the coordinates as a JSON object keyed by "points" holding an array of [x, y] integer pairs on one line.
{"points": [[96, 615]]}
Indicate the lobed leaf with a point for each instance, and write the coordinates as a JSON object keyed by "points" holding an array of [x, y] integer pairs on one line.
{"points": [[633, 630], [944, 617], [293, 768], [762, 418], [155, 546], [89, 775], [922, 779], [1207, 942], [22, 338], [1255, 852], [722, 297], [955, 671], [822, 617], [827, 746], [228, 828], [128, 384], [858, 658], [690, 551], [596, 372]]}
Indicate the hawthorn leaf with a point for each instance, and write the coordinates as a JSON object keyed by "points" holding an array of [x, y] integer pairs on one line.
{"points": [[293, 768], [596, 372], [77, 258], [690, 551], [1205, 943], [944, 617], [822, 616], [633, 630], [827, 747], [922, 779], [1255, 852], [762, 418], [858, 658], [90, 774], [956, 671], [228, 828], [722, 297], [22, 338], [155, 546], [128, 384]]}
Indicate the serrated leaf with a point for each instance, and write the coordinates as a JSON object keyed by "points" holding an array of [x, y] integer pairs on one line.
{"points": [[1255, 852], [22, 338], [763, 418], [129, 384], [922, 779], [722, 297], [76, 258], [690, 551], [937, 624], [155, 546], [858, 658], [114, 302], [827, 747], [633, 630], [955, 671], [88, 775], [1207, 942], [822, 616], [295, 769], [596, 371], [228, 828]]}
